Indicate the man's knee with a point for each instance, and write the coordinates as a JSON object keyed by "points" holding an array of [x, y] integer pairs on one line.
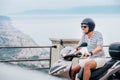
{"points": [[90, 65], [76, 68]]}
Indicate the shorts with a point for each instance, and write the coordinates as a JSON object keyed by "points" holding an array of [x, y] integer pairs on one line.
{"points": [[100, 61]]}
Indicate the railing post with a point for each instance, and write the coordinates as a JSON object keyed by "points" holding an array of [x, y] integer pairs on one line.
{"points": [[55, 51], [50, 57]]}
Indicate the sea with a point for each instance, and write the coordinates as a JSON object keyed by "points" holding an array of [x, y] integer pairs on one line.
{"points": [[43, 27]]}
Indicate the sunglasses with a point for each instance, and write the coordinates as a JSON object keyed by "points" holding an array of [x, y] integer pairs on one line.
{"points": [[83, 26]]}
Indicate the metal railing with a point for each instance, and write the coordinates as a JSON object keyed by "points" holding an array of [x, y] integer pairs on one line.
{"points": [[30, 60]]}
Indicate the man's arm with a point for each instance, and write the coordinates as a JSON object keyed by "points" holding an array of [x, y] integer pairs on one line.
{"points": [[97, 50]]}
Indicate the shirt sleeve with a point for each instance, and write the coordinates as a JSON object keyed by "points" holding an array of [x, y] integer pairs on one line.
{"points": [[99, 39]]}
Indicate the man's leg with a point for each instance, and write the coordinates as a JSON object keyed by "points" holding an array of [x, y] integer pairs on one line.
{"points": [[75, 70], [87, 69]]}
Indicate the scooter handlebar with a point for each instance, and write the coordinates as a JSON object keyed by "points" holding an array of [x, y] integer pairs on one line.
{"points": [[69, 57]]}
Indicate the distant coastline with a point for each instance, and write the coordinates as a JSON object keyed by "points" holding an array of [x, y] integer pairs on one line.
{"points": [[110, 9]]}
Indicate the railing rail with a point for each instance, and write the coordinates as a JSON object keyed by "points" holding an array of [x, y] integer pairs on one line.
{"points": [[29, 60], [106, 45], [23, 60], [54, 46]]}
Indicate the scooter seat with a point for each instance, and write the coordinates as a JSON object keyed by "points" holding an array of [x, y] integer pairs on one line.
{"points": [[98, 73]]}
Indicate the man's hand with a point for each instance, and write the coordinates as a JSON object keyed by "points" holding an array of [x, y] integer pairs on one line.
{"points": [[77, 47], [85, 55]]}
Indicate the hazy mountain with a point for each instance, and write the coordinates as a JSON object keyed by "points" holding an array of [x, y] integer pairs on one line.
{"points": [[10, 36], [77, 10]]}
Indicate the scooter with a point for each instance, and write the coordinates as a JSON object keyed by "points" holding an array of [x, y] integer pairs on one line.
{"points": [[62, 67], [110, 71]]}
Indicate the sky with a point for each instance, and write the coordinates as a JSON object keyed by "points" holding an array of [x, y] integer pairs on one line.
{"points": [[15, 6]]}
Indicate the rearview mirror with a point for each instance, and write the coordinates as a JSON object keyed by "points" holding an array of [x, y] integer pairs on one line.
{"points": [[84, 44]]}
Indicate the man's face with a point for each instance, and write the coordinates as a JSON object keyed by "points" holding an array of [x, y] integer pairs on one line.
{"points": [[84, 28]]}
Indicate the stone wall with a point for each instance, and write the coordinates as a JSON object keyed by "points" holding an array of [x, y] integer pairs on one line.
{"points": [[55, 51]]}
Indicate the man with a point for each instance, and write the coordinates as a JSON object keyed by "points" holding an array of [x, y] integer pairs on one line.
{"points": [[95, 52]]}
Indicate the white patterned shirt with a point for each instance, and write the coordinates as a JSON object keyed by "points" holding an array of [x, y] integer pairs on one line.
{"points": [[93, 42]]}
